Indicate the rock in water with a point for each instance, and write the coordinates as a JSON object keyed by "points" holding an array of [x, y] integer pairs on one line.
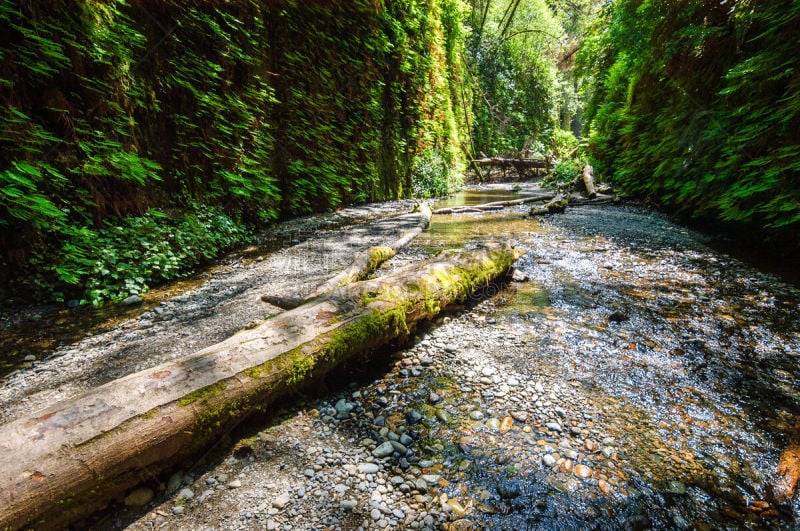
{"points": [[788, 472]]}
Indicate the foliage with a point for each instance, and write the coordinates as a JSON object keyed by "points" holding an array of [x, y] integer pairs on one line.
{"points": [[432, 175], [133, 254], [256, 109], [512, 60], [565, 171], [696, 106]]}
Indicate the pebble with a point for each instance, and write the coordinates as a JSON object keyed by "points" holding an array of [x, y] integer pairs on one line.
{"points": [[186, 493], [385, 449], [281, 501], [519, 416], [235, 484], [368, 468], [413, 417], [582, 471], [548, 460], [475, 415], [555, 426], [178, 509], [349, 504], [30, 357]]}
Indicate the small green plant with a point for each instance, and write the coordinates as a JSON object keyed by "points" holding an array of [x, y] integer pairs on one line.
{"points": [[431, 174], [564, 172]]}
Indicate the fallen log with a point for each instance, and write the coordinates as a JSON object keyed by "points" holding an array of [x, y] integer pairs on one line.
{"points": [[364, 263], [588, 181], [71, 458], [494, 205], [599, 199], [511, 163], [558, 204]]}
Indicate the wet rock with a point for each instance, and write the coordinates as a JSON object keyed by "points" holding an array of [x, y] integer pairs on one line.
{"points": [[385, 449], [133, 300], [618, 316], [548, 460], [506, 424], [637, 523], [493, 424], [555, 426], [139, 497], [582, 471], [676, 487], [456, 508], [434, 398], [508, 489], [413, 417], [788, 473], [475, 415]]}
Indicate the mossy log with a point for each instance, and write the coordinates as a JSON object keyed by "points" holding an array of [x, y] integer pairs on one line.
{"points": [[72, 458], [364, 263], [557, 204]]}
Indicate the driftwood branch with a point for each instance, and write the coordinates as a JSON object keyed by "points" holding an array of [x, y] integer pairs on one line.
{"points": [[588, 181], [557, 204], [70, 459], [494, 205]]}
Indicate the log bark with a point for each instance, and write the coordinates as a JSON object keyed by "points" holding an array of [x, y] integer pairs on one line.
{"points": [[70, 459], [494, 205], [588, 181], [364, 263]]}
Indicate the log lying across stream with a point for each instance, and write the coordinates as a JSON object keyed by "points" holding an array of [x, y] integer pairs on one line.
{"points": [[72, 458]]}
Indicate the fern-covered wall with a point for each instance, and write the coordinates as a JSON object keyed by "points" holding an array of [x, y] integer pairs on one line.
{"points": [[121, 115], [696, 106]]}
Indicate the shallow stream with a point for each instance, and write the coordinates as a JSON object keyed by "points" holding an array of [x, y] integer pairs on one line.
{"points": [[668, 379]]}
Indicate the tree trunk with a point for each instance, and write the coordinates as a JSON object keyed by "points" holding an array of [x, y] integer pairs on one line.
{"points": [[588, 181], [73, 457]]}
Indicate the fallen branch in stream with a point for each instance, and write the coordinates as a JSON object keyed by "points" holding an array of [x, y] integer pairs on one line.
{"points": [[494, 205], [360, 268]]}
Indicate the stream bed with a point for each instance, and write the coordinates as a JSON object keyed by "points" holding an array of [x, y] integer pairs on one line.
{"points": [[629, 377]]}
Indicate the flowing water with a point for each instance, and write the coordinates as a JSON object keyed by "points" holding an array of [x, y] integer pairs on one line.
{"points": [[684, 360]]}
